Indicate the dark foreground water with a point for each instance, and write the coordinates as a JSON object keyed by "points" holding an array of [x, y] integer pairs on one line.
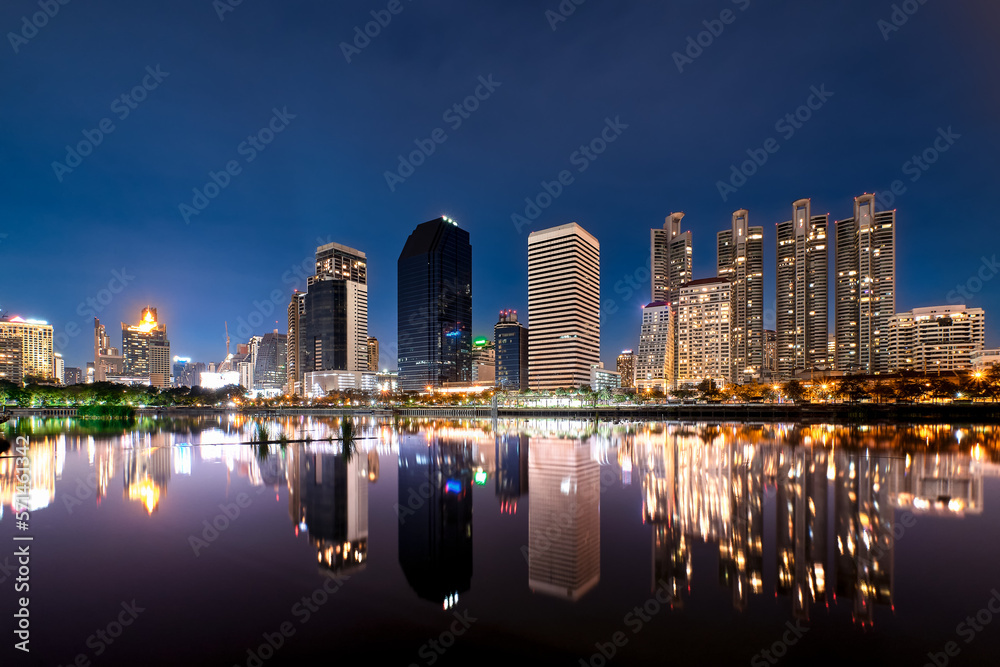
{"points": [[450, 543]]}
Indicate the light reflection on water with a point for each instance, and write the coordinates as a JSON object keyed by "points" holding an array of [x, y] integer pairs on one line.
{"points": [[813, 521]]}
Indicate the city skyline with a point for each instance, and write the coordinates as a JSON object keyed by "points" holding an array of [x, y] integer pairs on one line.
{"points": [[531, 125]]}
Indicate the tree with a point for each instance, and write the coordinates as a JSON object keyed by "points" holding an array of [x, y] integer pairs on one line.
{"points": [[882, 391], [852, 388], [941, 388], [793, 391], [908, 389]]}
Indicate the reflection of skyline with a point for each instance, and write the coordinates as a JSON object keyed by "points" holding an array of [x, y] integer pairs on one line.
{"points": [[564, 522], [511, 470], [328, 498], [435, 513], [833, 509]]}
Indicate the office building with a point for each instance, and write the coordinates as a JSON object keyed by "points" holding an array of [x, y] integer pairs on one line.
{"points": [[655, 362], [187, 373], [434, 307], [146, 350], [703, 314], [296, 308], [741, 261], [108, 361], [865, 289], [770, 353], [37, 353], [483, 362], [270, 372], [564, 307], [510, 341], [60, 367], [670, 267], [802, 299], [601, 378], [936, 339], [626, 368], [72, 375], [10, 360], [373, 354]]}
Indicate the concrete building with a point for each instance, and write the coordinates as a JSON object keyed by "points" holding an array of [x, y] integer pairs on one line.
{"points": [[510, 340], [484, 362], [317, 384], [564, 306], [60, 367], [670, 266], [72, 375], [108, 360], [936, 339], [296, 308], [865, 287], [740, 259], [373, 354], [655, 362], [770, 353], [270, 372], [10, 360], [626, 368], [35, 337], [703, 331], [146, 350], [601, 378], [984, 359], [802, 298]]}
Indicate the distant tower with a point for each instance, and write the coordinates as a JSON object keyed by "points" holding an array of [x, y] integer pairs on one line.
{"points": [[626, 366], [510, 340], [655, 363], [670, 268], [146, 350], [373, 355]]}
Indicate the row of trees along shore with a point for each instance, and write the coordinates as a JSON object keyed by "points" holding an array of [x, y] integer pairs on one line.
{"points": [[971, 386]]}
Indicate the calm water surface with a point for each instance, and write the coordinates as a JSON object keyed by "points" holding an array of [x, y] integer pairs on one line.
{"points": [[445, 543]]}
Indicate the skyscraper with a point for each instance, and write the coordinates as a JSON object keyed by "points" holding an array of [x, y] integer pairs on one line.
{"points": [[865, 291], [510, 339], [626, 367], [270, 372], [35, 337], [435, 306], [703, 310], [373, 355], [564, 306], [670, 268], [296, 308], [741, 260], [484, 361], [655, 363], [10, 359], [802, 302], [108, 360], [146, 350]]}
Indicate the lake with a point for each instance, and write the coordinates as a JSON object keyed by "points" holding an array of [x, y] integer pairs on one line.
{"points": [[421, 542]]}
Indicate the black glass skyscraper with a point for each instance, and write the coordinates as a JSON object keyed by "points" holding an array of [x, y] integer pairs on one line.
{"points": [[435, 306]]}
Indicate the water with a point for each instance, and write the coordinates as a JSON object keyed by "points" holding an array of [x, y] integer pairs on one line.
{"points": [[453, 543]]}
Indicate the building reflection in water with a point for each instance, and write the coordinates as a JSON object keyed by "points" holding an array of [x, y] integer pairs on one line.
{"points": [[511, 470], [147, 467], [328, 498], [834, 509], [564, 522], [435, 513]]}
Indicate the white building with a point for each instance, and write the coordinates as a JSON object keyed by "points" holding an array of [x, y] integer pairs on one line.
{"points": [[985, 358], [601, 378], [703, 344], [655, 361], [936, 338], [317, 384], [564, 306]]}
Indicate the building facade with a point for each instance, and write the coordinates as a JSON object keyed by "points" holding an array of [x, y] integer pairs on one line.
{"points": [[703, 313], [296, 308], [373, 355], [270, 371], [146, 350], [510, 341], [434, 306], [670, 267], [108, 360], [936, 339], [10, 359], [655, 362], [626, 368], [865, 289], [35, 337], [484, 362], [802, 299], [564, 306], [602, 378], [740, 260]]}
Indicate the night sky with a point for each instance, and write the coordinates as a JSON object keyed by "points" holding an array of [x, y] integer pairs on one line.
{"points": [[213, 82]]}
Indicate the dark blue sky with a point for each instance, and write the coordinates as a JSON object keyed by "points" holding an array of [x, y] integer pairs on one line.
{"points": [[323, 177]]}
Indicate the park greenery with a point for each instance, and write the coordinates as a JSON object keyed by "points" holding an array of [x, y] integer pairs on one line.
{"points": [[970, 386]]}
